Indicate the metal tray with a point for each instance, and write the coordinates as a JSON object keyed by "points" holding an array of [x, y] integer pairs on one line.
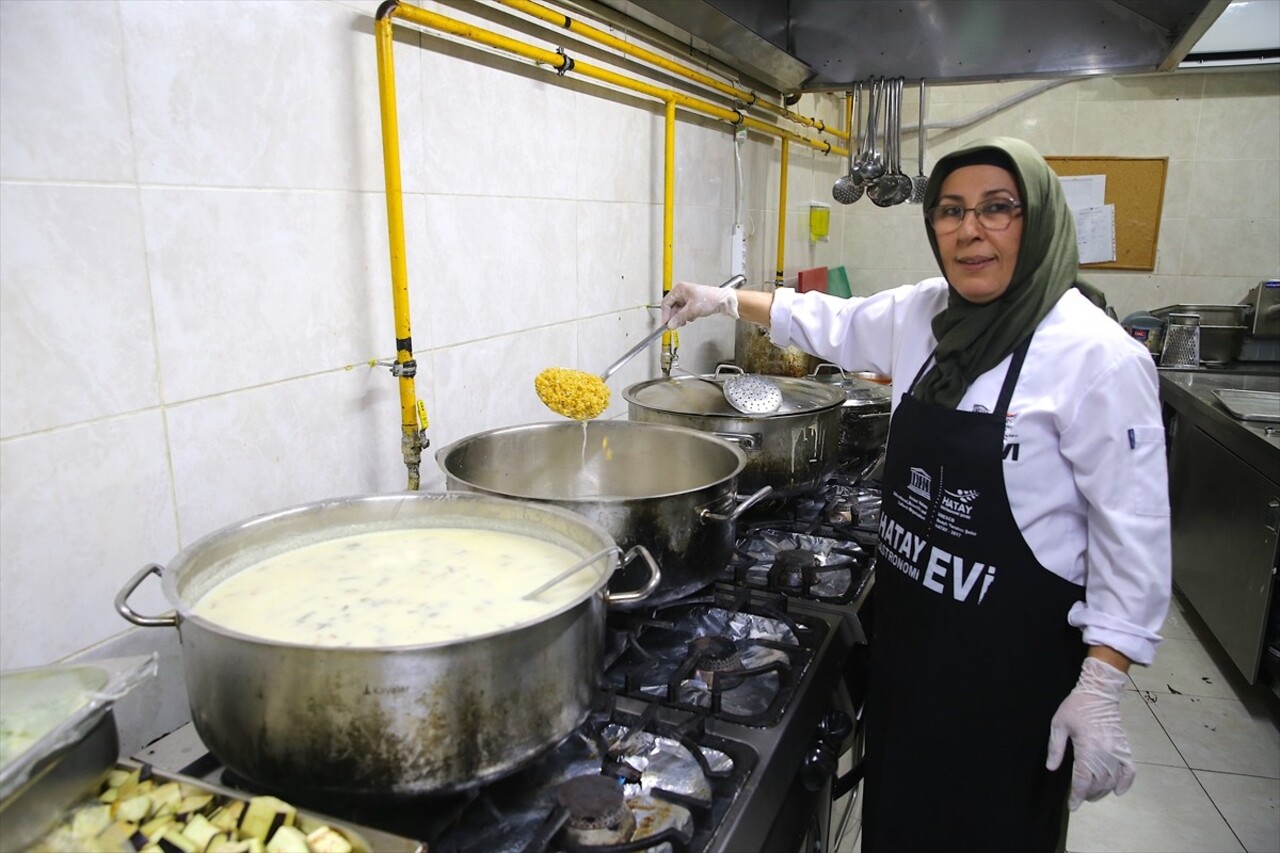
{"points": [[1250, 405], [362, 839], [57, 780]]}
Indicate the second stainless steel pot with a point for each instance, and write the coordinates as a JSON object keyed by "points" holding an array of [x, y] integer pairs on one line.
{"points": [[864, 417], [672, 490], [792, 450]]}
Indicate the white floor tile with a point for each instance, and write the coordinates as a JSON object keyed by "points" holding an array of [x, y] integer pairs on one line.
{"points": [[1176, 626], [1251, 806], [1225, 735], [1166, 811], [1185, 667], [1147, 738]]}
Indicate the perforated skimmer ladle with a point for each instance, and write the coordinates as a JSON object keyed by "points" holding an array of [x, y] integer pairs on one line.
{"points": [[848, 187], [920, 182], [752, 394]]}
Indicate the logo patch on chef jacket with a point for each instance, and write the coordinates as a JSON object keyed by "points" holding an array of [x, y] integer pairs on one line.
{"points": [[1011, 444]]}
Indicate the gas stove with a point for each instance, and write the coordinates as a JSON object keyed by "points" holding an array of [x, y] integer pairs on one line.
{"points": [[717, 721]]}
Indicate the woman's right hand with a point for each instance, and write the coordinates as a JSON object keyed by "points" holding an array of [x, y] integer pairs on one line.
{"points": [[687, 301]]}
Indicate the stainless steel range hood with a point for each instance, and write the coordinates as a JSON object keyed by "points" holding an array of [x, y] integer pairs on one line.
{"points": [[824, 45]]}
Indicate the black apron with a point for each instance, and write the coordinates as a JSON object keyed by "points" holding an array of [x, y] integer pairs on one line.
{"points": [[971, 653]]}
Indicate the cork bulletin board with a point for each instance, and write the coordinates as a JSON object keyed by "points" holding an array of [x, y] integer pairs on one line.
{"points": [[1135, 185]]}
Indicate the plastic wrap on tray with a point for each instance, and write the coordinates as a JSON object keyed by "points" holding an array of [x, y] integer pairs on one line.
{"points": [[44, 710]]}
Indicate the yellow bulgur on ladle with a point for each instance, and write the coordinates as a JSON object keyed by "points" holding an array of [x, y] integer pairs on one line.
{"points": [[582, 396], [573, 393]]}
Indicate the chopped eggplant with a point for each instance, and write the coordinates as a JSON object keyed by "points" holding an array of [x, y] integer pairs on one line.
{"points": [[133, 809], [326, 839], [87, 823], [265, 815], [288, 839], [200, 830], [173, 841]]}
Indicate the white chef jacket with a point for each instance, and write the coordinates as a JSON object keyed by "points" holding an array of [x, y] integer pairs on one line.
{"points": [[1084, 458]]}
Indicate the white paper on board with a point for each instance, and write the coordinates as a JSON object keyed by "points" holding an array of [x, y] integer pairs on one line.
{"points": [[1096, 233]]}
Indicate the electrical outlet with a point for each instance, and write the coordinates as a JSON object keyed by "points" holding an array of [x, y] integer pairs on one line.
{"points": [[738, 251]]}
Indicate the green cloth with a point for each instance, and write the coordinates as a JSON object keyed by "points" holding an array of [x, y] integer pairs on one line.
{"points": [[972, 339]]}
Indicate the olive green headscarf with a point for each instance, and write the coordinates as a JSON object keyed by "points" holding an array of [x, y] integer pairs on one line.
{"points": [[972, 339]]}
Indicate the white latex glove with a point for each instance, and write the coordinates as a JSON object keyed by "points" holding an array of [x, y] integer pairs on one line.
{"points": [[1090, 716], [686, 301]]}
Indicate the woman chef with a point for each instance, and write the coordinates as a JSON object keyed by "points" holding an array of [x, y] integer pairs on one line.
{"points": [[1023, 561]]}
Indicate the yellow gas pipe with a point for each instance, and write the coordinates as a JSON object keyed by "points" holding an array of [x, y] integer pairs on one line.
{"points": [[746, 96], [411, 438], [563, 64], [782, 214], [668, 218], [413, 413]]}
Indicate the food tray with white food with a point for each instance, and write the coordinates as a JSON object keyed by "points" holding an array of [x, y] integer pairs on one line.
{"points": [[57, 737], [138, 809]]}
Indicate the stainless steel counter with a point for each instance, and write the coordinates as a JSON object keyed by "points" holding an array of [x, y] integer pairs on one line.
{"points": [[1190, 393], [1224, 495]]}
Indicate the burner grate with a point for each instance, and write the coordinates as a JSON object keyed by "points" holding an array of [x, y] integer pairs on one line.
{"points": [[728, 655]]}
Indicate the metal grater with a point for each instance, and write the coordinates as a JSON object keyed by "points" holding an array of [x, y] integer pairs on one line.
{"points": [[1181, 342]]}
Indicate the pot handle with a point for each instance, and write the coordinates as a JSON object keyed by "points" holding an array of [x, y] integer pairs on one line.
{"points": [[749, 442], [169, 621], [655, 577], [828, 367], [708, 515]]}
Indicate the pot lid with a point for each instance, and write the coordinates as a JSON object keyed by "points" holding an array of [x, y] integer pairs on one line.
{"points": [[857, 391], [692, 395]]}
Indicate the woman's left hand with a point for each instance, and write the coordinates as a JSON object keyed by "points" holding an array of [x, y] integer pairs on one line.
{"points": [[1090, 716]]}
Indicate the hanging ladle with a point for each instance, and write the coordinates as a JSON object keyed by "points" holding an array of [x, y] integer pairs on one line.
{"points": [[582, 396], [870, 161]]}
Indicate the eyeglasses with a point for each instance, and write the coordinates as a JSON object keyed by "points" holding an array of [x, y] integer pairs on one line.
{"points": [[994, 215]]}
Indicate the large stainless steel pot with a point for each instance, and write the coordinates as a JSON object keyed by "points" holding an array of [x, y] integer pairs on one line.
{"points": [[864, 417], [791, 450], [404, 720], [672, 490]]}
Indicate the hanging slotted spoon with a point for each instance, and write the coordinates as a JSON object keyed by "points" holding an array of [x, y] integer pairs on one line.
{"points": [[848, 187], [921, 181]]}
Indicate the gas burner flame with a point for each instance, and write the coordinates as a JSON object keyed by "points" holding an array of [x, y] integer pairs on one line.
{"points": [[597, 811]]}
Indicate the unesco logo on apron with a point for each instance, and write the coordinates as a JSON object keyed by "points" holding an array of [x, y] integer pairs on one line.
{"points": [[921, 559]]}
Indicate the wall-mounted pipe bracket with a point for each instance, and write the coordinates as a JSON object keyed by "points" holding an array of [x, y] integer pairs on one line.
{"points": [[405, 368], [567, 65]]}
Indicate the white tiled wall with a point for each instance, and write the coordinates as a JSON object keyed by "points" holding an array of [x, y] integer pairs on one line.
{"points": [[1220, 229], [194, 273]]}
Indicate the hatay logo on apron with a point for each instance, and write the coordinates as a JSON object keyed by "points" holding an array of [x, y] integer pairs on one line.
{"points": [[921, 560]]}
